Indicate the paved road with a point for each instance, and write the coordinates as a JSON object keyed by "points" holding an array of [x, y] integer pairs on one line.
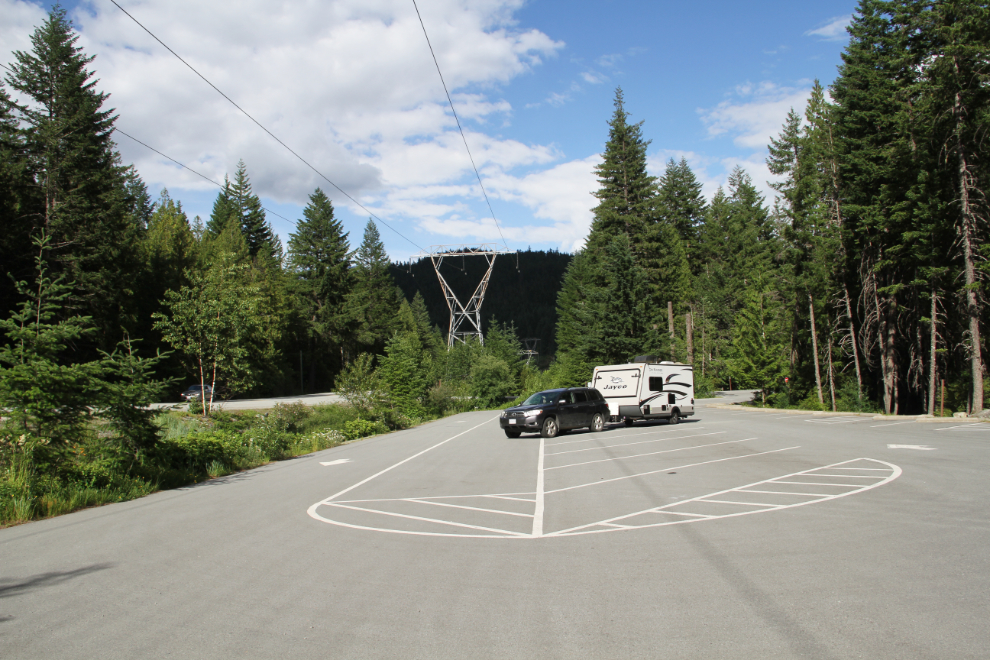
{"points": [[264, 404], [737, 534]]}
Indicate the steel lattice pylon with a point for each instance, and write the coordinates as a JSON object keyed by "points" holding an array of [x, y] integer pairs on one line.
{"points": [[471, 312]]}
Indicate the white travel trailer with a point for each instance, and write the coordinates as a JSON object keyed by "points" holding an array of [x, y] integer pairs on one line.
{"points": [[646, 389]]}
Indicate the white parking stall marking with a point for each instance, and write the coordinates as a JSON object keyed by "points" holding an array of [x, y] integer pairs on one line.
{"points": [[612, 436], [978, 427], [652, 453], [892, 470], [469, 508], [423, 519], [602, 482], [885, 424], [918, 447], [638, 442]]}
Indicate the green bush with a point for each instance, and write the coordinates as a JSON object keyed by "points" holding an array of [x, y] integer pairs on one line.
{"points": [[492, 382], [360, 428]]}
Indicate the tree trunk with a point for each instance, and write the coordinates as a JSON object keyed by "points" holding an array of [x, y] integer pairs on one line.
{"points": [[890, 359], [967, 231], [814, 350], [689, 337], [931, 362], [855, 345], [831, 373], [670, 326]]}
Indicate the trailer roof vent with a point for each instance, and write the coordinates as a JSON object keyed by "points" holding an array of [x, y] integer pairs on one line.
{"points": [[649, 359]]}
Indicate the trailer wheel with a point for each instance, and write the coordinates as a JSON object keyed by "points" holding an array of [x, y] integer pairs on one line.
{"points": [[675, 417], [549, 428]]}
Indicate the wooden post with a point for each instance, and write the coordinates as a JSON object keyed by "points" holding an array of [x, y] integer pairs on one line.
{"points": [[670, 327], [689, 337]]}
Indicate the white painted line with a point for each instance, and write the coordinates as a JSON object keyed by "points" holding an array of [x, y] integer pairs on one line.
{"points": [[339, 461], [677, 513], [845, 476], [864, 469], [617, 526], [613, 436], [538, 509], [784, 492], [312, 509], [919, 447], [814, 483], [503, 497], [584, 529], [469, 508], [980, 427], [676, 467], [638, 442], [652, 453], [774, 506], [432, 520], [880, 426]]}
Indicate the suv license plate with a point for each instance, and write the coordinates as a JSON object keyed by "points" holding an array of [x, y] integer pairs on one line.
{"points": [[512, 421]]}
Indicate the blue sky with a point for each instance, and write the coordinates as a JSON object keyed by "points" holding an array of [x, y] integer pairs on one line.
{"points": [[350, 85]]}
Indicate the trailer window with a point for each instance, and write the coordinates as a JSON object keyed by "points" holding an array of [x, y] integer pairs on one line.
{"points": [[656, 383]]}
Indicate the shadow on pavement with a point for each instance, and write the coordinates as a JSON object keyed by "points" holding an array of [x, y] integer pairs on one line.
{"points": [[14, 587]]}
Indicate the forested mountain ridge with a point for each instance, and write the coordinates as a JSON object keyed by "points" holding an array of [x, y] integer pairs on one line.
{"points": [[522, 291]]}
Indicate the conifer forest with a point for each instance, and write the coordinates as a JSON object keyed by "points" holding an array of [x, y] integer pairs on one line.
{"points": [[858, 286]]}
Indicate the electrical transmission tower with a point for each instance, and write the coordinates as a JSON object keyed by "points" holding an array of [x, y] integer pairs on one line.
{"points": [[471, 312]]}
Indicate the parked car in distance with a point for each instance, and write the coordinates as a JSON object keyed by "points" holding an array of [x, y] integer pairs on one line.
{"points": [[554, 411], [196, 392]]}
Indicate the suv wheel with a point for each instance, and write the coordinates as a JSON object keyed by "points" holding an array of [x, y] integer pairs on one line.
{"points": [[597, 423], [512, 434], [550, 428]]}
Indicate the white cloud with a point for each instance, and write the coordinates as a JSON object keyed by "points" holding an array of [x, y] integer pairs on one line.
{"points": [[834, 29], [756, 115], [348, 84], [17, 21], [593, 77]]}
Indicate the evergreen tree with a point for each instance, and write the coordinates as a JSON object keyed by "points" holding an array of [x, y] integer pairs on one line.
{"points": [[681, 205], [247, 207], [16, 207], [627, 194], [372, 301], [223, 211], [320, 268], [576, 323], [84, 203], [622, 323]]}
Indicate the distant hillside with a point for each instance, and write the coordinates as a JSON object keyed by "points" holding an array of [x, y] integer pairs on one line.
{"points": [[526, 296]]}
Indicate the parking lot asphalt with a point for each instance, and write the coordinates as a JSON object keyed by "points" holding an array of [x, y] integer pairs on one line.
{"points": [[734, 534]]}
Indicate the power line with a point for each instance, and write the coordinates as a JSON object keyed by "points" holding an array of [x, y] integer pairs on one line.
{"points": [[148, 146], [272, 135], [457, 119], [202, 176]]}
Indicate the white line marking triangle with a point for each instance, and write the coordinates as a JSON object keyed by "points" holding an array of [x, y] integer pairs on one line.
{"points": [[921, 447]]}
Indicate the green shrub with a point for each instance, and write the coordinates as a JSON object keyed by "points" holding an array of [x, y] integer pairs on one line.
{"points": [[491, 382], [332, 415], [360, 428]]}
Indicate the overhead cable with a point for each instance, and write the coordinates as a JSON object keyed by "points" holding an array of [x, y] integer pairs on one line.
{"points": [[456, 119], [272, 135], [148, 146]]}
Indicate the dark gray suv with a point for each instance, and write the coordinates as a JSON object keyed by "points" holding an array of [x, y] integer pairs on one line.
{"points": [[555, 411]]}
